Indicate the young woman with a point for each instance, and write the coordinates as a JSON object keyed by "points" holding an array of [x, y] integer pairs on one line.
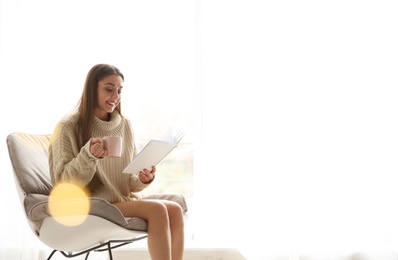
{"points": [[77, 155]]}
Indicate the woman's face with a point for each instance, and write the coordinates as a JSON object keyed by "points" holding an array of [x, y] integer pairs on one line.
{"points": [[109, 90]]}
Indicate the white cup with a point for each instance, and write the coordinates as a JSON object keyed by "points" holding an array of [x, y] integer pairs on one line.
{"points": [[113, 145]]}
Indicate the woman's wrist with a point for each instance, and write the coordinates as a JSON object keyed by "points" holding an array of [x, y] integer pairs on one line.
{"points": [[148, 182]]}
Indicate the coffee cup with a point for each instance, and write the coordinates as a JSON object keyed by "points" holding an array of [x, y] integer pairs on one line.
{"points": [[113, 145]]}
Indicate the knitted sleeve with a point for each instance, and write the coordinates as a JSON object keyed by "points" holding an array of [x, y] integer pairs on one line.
{"points": [[67, 162]]}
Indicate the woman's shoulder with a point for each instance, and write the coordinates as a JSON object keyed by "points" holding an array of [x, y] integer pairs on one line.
{"points": [[68, 122], [126, 122], [125, 119], [69, 119]]}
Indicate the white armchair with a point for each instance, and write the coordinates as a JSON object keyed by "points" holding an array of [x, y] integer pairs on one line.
{"points": [[103, 229]]}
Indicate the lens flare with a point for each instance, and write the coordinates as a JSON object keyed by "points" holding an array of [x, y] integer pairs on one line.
{"points": [[69, 204]]}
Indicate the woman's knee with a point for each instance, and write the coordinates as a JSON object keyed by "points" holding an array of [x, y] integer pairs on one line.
{"points": [[175, 212], [159, 208], [155, 211], [175, 208]]}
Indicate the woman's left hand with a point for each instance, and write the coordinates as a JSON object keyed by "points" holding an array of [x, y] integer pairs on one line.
{"points": [[147, 176]]}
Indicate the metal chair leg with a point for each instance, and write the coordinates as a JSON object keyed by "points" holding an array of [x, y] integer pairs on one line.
{"points": [[110, 251], [51, 255]]}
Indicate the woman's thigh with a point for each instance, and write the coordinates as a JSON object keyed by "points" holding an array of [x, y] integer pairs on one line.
{"points": [[144, 209]]}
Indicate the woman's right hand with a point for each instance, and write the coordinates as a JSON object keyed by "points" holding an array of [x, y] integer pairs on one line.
{"points": [[97, 148]]}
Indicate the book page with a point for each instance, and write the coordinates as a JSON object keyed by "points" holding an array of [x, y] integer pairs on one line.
{"points": [[172, 136], [152, 154], [155, 151]]}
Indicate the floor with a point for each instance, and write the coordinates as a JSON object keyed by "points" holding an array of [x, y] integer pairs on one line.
{"points": [[189, 254]]}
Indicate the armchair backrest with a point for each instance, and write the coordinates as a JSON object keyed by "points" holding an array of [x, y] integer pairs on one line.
{"points": [[29, 158]]}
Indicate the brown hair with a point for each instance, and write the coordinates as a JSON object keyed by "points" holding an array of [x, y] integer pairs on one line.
{"points": [[89, 99], [87, 105]]}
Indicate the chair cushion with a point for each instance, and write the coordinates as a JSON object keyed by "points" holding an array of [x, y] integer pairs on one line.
{"points": [[36, 206], [29, 157]]}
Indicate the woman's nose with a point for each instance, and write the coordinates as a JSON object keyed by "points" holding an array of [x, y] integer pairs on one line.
{"points": [[115, 95]]}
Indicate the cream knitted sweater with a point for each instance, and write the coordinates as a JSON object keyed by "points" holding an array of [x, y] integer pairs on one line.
{"points": [[68, 162]]}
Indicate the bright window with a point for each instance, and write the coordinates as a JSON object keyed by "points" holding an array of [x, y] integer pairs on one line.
{"points": [[47, 48]]}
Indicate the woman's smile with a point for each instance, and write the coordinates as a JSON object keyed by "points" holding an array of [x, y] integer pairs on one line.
{"points": [[111, 103]]}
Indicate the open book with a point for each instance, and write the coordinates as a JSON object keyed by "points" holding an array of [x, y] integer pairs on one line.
{"points": [[154, 151]]}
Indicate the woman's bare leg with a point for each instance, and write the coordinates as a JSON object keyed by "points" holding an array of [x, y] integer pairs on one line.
{"points": [[176, 218], [157, 216]]}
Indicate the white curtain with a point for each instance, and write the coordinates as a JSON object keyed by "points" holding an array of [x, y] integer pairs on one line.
{"points": [[295, 138], [300, 144]]}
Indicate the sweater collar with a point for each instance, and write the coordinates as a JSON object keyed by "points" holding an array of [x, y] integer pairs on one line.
{"points": [[108, 125]]}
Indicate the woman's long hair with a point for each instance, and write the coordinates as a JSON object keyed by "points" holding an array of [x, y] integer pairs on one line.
{"points": [[88, 104], [89, 99]]}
